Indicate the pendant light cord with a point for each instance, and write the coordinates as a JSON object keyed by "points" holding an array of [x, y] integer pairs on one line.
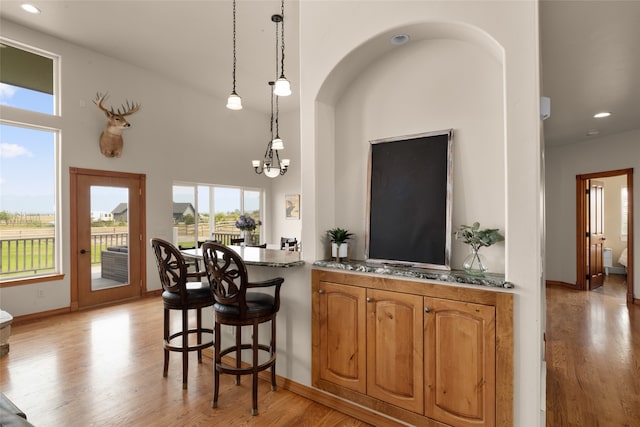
{"points": [[234, 46], [282, 43]]}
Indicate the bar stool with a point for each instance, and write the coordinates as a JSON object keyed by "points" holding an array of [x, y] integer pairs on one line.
{"points": [[179, 294], [235, 306]]}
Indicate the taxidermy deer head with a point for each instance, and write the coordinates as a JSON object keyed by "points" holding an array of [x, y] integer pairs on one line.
{"points": [[111, 138]]}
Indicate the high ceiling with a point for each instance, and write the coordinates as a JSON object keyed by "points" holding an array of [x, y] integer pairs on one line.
{"points": [[590, 51]]}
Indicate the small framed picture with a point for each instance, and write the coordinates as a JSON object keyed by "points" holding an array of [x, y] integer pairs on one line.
{"points": [[292, 206]]}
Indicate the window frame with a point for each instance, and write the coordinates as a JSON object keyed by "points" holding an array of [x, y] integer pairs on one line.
{"points": [[30, 119]]}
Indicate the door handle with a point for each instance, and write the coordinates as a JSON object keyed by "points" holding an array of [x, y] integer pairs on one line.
{"points": [[83, 251]]}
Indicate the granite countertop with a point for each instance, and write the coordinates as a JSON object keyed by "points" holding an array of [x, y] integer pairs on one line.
{"points": [[457, 276], [258, 256]]}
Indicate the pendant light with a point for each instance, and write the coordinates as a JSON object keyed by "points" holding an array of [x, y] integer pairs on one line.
{"points": [[234, 102], [282, 86]]}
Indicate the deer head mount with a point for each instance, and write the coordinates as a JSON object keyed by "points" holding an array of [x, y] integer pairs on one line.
{"points": [[111, 142]]}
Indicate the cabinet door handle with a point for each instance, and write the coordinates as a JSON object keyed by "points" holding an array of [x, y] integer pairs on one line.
{"points": [[369, 299], [321, 291], [427, 310]]}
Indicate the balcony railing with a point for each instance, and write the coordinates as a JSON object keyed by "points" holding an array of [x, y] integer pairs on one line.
{"points": [[35, 255]]}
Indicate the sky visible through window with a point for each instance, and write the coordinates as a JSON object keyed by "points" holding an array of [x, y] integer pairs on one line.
{"points": [[27, 157]]}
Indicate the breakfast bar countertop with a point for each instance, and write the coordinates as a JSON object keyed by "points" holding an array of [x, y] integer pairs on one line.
{"points": [[458, 276], [257, 256]]}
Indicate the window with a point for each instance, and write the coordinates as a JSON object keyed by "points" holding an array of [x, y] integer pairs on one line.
{"points": [[27, 204], [193, 206], [27, 78], [29, 232], [624, 209]]}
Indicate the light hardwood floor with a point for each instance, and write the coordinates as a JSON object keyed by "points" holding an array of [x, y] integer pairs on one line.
{"points": [[593, 357], [103, 367]]}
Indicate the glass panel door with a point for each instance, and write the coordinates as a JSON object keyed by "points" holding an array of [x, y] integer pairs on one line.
{"points": [[109, 237]]}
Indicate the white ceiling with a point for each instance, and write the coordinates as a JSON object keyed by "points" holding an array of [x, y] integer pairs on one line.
{"points": [[590, 51]]}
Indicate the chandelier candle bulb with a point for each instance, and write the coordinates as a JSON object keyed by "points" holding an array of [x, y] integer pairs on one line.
{"points": [[255, 163], [285, 162]]}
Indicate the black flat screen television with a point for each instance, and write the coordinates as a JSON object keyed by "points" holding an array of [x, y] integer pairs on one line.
{"points": [[410, 197]]}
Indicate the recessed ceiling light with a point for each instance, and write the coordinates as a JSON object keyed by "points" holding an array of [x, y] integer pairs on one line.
{"points": [[602, 114], [593, 132], [30, 8], [399, 39]]}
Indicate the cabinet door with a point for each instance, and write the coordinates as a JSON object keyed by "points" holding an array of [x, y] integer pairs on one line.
{"points": [[394, 348], [343, 335], [460, 362]]}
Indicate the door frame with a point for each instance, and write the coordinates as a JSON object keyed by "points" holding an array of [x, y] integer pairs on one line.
{"points": [[141, 257], [582, 212]]}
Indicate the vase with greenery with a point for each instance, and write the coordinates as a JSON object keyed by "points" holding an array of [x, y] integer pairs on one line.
{"points": [[474, 264], [339, 245]]}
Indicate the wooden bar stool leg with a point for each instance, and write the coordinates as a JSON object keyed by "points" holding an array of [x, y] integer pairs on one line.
{"points": [[185, 344], [199, 323], [273, 351], [238, 351], [254, 375], [216, 361], [166, 342]]}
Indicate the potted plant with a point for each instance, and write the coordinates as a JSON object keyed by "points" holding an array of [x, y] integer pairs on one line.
{"points": [[246, 224], [473, 236], [339, 245]]}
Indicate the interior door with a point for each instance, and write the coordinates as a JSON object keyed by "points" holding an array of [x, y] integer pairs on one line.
{"points": [[595, 234], [107, 242]]}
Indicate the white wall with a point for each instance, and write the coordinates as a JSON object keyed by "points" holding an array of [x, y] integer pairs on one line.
{"points": [[349, 96], [179, 134], [564, 162]]}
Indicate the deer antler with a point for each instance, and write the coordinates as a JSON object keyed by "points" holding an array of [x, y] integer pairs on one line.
{"points": [[98, 101], [130, 108]]}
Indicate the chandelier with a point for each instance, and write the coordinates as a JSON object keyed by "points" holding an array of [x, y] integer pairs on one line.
{"points": [[271, 165]]}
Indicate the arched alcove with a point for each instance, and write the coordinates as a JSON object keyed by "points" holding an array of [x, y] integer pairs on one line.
{"points": [[449, 75]]}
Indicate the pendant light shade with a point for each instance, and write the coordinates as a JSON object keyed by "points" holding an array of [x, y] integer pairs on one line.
{"points": [[234, 102], [282, 87]]}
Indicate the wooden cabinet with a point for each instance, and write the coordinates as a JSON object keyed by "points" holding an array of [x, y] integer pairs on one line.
{"points": [[342, 335], [419, 352], [394, 349], [460, 362]]}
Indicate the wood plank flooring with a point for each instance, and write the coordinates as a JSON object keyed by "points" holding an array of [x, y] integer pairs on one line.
{"points": [[593, 357], [103, 367]]}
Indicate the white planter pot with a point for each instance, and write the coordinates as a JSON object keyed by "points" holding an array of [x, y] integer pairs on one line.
{"points": [[339, 251]]}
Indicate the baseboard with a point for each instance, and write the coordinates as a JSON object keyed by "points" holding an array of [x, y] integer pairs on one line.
{"points": [[34, 316], [334, 402], [559, 283]]}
